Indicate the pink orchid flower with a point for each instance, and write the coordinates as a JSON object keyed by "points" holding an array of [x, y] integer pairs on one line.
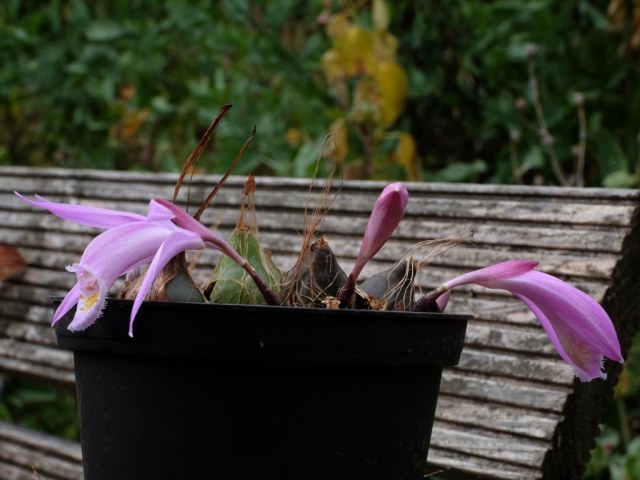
{"points": [[129, 241], [578, 327]]}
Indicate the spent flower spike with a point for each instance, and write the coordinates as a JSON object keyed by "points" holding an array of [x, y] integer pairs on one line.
{"points": [[578, 327], [129, 241]]}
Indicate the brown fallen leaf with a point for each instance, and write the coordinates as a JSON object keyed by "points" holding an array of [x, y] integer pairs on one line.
{"points": [[11, 262]]}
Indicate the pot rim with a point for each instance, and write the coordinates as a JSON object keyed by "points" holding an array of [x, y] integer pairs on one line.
{"points": [[272, 333]]}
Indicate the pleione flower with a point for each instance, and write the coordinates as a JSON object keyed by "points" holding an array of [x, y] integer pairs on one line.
{"points": [[577, 325], [129, 241]]}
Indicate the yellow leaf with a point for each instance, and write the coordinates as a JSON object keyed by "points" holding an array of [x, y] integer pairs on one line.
{"points": [[406, 155], [355, 49], [385, 46], [337, 25], [392, 83]]}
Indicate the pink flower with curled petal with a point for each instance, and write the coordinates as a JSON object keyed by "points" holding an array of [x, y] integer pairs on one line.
{"points": [[129, 241], [578, 327]]}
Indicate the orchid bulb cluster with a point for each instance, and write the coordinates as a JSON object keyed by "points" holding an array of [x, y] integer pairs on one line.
{"points": [[578, 327]]}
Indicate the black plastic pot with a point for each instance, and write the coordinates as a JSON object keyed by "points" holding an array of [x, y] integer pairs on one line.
{"points": [[239, 392]]}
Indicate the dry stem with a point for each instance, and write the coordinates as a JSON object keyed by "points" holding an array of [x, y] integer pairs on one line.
{"points": [[545, 136]]}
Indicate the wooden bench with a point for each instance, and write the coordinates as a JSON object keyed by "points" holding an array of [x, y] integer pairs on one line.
{"points": [[512, 409]]}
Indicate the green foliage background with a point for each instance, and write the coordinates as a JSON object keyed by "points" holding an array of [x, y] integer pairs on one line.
{"points": [[132, 84]]}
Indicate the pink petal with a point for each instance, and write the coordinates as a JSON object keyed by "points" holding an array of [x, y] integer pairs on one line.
{"points": [[508, 269], [568, 309], [578, 327], [590, 366], [93, 293], [85, 215], [157, 212], [120, 249], [69, 301], [174, 244], [211, 239]]}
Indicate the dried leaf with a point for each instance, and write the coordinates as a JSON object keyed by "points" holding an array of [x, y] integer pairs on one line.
{"points": [[208, 200], [194, 156], [11, 262]]}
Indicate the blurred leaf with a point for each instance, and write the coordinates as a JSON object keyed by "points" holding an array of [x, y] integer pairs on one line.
{"points": [[620, 179], [306, 158], [607, 152], [599, 20], [104, 31], [533, 159], [459, 172], [602, 453]]}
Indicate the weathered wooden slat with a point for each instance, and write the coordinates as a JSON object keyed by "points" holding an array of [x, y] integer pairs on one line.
{"points": [[64, 449], [413, 230], [35, 249], [489, 445], [509, 337], [76, 177], [516, 365], [21, 368], [38, 295], [497, 417], [441, 461], [40, 465], [25, 311], [11, 472], [38, 334], [508, 391], [36, 354], [426, 205]]}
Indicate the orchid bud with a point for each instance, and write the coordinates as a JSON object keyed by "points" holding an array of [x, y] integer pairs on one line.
{"points": [[385, 217]]}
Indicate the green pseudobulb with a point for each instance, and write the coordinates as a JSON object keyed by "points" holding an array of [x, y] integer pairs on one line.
{"points": [[231, 284]]}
